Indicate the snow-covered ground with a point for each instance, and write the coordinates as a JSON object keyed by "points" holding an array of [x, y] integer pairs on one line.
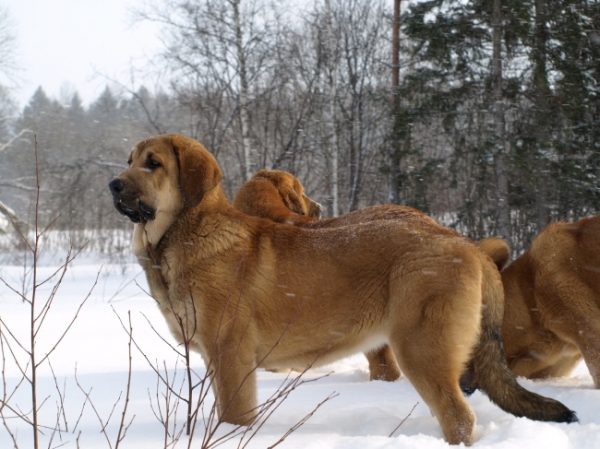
{"points": [[362, 415]]}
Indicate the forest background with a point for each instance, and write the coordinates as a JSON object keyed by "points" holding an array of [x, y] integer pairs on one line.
{"points": [[486, 115]]}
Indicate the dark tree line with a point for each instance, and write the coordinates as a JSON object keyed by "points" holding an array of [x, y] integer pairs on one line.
{"points": [[495, 131], [545, 140]]}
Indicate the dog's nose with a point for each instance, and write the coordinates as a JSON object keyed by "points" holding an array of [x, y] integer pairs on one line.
{"points": [[116, 186]]}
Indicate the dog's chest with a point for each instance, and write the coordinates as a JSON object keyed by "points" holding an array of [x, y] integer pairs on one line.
{"points": [[174, 297], [182, 321], [170, 267], [176, 278]]}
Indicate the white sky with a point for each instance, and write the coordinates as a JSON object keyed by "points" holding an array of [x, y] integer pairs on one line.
{"points": [[72, 43]]}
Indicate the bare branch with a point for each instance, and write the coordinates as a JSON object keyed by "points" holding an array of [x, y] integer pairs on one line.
{"points": [[122, 427], [404, 419], [88, 399], [64, 333], [6, 145]]}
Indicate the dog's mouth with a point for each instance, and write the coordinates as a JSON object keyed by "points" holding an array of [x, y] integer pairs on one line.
{"points": [[140, 214]]}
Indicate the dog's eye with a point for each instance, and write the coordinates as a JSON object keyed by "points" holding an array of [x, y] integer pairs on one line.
{"points": [[129, 161], [153, 164]]}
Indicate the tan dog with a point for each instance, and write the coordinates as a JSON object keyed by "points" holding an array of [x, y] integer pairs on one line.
{"points": [[552, 313], [263, 199], [279, 196], [220, 277]]}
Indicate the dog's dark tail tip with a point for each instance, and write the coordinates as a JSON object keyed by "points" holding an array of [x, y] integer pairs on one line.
{"points": [[561, 414], [568, 416]]}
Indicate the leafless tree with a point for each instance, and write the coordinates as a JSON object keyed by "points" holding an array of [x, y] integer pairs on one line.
{"points": [[501, 142], [9, 67], [361, 32], [332, 66], [24, 353], [218, 52]]}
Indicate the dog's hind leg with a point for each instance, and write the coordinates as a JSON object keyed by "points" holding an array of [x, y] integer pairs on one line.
{"points": [[591, 355], [588, 342], [432, 339], [382, 364], [435, 377], [561, 368], [570, 310]]}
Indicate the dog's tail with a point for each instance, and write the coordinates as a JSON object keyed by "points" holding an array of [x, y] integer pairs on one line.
{"points": [[489, 370], [497, 249]]}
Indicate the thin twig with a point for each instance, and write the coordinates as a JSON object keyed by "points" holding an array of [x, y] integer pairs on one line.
{"points": [[88, 398], [122, 427], [404, 419], [63, 335]]}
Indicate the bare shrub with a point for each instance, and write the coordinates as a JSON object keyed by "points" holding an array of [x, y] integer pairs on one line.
{"points": [[20, 348]]}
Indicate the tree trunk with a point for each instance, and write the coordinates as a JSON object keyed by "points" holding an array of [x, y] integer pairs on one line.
{"points": [[542, 128], [394, 192], [244, 113], [355, 158], [501, 145], [333, 145]]}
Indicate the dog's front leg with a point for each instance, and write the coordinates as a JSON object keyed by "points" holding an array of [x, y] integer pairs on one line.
{"points": [[234, 382]]}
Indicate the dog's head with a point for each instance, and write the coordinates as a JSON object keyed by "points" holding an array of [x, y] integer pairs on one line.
{"points": [[290, 191], [166, 174]]}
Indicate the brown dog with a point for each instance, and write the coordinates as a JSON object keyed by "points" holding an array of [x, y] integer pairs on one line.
{"points": [[246, 292], [552, 313], [256, 200], [279, 196]]}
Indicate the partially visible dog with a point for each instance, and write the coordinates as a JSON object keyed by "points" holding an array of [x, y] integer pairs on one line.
{"points": [[382, 363], [246, 292], [279, 196], [552, 302]]}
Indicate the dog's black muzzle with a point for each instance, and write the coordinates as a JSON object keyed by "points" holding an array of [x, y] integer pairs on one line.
{"points": [[128, 205]]}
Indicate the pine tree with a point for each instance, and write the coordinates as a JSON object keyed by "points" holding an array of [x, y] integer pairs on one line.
{"points": [[549, 97]]}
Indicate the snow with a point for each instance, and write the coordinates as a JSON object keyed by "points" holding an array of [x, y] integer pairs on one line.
{"points": [[362, 415]]}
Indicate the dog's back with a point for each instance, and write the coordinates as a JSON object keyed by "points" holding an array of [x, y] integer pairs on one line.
{"points": [[584, 243]]}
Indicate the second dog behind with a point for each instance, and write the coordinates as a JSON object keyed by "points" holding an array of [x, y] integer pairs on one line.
{"points": [[278, 196]]}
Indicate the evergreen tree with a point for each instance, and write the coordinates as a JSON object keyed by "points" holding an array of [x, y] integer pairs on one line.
{"points": [[549, 98]]}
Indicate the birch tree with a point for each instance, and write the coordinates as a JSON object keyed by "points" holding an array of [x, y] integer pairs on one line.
{"points": [[217, 53], [360, 82], [9, 78], [333, 61]]}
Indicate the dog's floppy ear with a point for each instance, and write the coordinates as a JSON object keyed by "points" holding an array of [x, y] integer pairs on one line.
{"points": [[291, 197], [199, 171], [314, 208]]}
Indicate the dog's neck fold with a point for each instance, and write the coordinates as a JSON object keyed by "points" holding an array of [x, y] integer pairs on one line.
{"points": [[147, 236]]}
